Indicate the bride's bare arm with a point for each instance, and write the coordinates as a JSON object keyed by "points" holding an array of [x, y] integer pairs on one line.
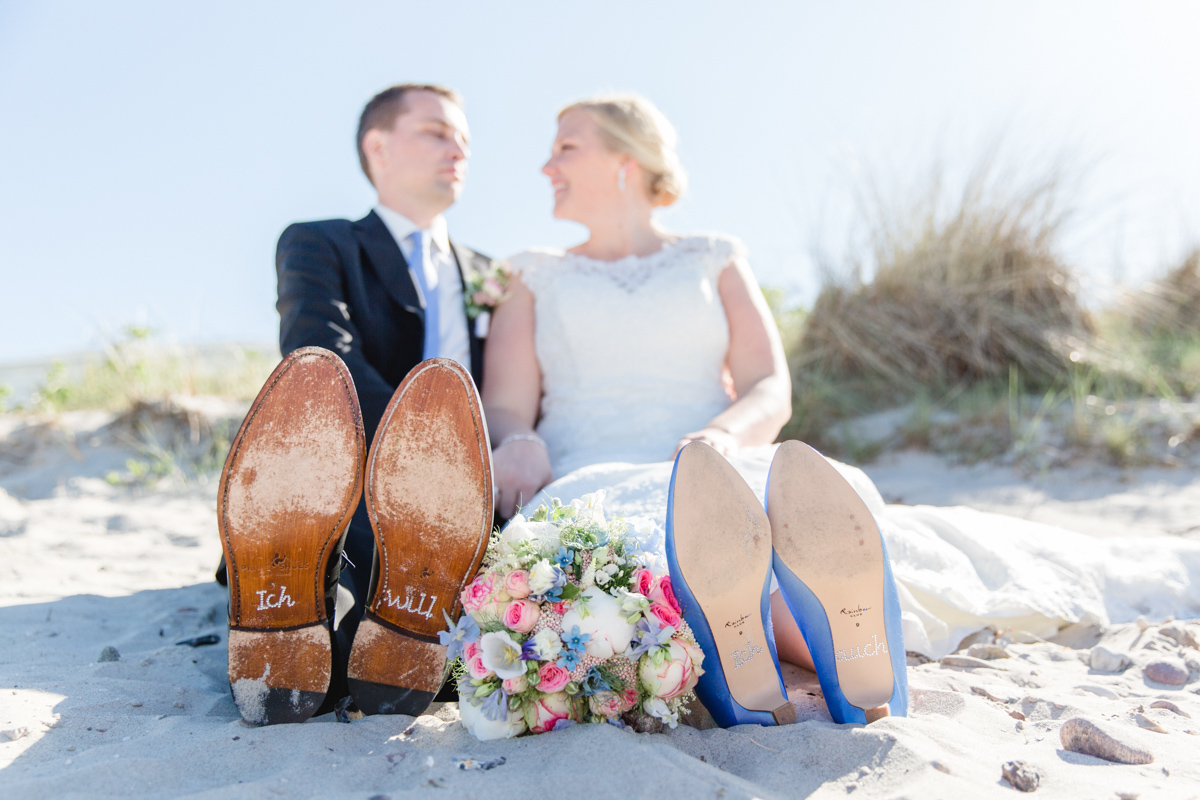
{"points": [[512, 388], [758, 365]]}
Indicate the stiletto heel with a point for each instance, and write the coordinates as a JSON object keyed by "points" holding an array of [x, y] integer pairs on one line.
{"points": [[719, 556], [833, 569]]}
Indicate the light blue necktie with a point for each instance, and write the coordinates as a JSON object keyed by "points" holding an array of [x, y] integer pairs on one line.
{"points": [[432, 307]]}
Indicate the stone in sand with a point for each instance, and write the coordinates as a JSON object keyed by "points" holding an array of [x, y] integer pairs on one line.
{"points": [[1169, 706], [1023, 777], [987, 652], [109, 653], [1086, 736], [1167, 671], [966, 662], [1104, 660], [1180, 634], [1145, 722]]}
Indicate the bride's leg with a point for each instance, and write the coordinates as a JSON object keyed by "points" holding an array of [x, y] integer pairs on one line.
{"points": [[789, 641]]}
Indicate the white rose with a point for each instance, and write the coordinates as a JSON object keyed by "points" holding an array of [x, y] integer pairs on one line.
{"points": [[521, 529], [600, 616], [541, 577], [485, 729], [546, 645], [590, 509]]}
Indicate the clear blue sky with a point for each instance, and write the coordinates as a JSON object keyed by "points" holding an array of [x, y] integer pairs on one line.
{"points": [[151, 153]]}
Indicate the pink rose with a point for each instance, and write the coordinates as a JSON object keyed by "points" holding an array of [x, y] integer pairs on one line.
{"points": [[545, 713], [666, 615], [477, 670], [470, 650], [552, 678], [516, 685], [478, 593], [628, 699], [516, 583], [643, 579], [664, 593], [606, 704], [561, 607], [521, 615], [669, 671]]}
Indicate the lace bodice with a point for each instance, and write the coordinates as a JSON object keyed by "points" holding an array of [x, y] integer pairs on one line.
{"points": [[631, 351]]}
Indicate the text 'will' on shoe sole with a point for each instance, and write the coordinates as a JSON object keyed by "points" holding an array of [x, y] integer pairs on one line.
{"points": [[429, 495], [824, 533], [291, 483], [722, 542]]}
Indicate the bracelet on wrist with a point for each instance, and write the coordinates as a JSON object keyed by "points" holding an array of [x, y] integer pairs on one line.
{"points": [[523, 437]]}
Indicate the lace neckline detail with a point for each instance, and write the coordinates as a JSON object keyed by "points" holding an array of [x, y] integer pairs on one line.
{"points": [[631, 258], [633, 271]]}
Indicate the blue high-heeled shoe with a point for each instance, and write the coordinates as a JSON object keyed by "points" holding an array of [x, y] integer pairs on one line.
{"points": [[719, 557], [833, 569]]}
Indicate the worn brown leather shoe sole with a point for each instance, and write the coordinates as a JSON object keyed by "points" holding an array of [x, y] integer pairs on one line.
{"points": [[290, 486], [429, 495]]}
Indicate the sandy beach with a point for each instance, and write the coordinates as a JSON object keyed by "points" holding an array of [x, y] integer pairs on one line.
{"points": [[101, 581]]}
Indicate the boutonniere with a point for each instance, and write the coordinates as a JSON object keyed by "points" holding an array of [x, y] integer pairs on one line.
{"points": [[486, 290]]}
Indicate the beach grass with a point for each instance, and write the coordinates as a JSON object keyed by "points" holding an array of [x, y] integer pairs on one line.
{"points": [[965, 313]]}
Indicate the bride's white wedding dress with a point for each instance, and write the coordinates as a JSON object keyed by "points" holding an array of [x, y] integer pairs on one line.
{"points": [[631, 354]]}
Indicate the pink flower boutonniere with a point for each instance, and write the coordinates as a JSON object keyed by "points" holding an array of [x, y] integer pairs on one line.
{"points": [[486, 290]]}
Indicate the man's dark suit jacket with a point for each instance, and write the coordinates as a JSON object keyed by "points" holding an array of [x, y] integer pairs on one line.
{"points": [[345, 286]]}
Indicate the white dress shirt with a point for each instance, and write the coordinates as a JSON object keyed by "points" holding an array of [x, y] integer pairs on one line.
{"points": [[441, 271]]}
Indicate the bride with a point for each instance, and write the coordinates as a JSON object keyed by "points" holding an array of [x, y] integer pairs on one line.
{"points": [[606, 359]]}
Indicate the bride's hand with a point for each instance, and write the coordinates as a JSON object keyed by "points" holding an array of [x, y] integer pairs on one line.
{"points": [[522, 468], [721, 441]]}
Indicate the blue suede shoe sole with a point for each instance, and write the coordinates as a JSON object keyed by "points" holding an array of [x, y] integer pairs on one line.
{"points": [[719, 556], [834, 572]]}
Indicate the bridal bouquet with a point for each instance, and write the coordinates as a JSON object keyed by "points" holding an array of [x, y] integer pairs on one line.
{"points": [[566, 624]]}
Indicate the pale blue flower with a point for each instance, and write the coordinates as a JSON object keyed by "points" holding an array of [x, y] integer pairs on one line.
{"points": [[495, 706], [565, 557], [648, 635], [594, 682], [460, 633]]}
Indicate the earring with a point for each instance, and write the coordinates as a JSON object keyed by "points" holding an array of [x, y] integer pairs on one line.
{"points": [[621, 180]]}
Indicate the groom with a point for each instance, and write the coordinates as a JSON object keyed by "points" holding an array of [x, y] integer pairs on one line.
{"points": [[384, 292]]}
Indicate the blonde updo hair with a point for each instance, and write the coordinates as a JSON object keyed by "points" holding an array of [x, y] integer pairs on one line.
{"points": [[632, 126]]}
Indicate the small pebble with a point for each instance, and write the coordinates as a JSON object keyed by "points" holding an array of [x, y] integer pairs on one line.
{"points": [[1103, 691], [109, 653], [1170, 672], [1023, 777], [940, 767], [1145, 722], [965, 662], [987, 652], [1017, 715], [1086, 736], [1180, 634], [1104, 660], [136, 704], [1142, 623], [1169, 706]]}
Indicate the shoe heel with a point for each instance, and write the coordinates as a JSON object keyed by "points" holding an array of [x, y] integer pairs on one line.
{"points": [[279, 676], [833, 569], [719, 557]]}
